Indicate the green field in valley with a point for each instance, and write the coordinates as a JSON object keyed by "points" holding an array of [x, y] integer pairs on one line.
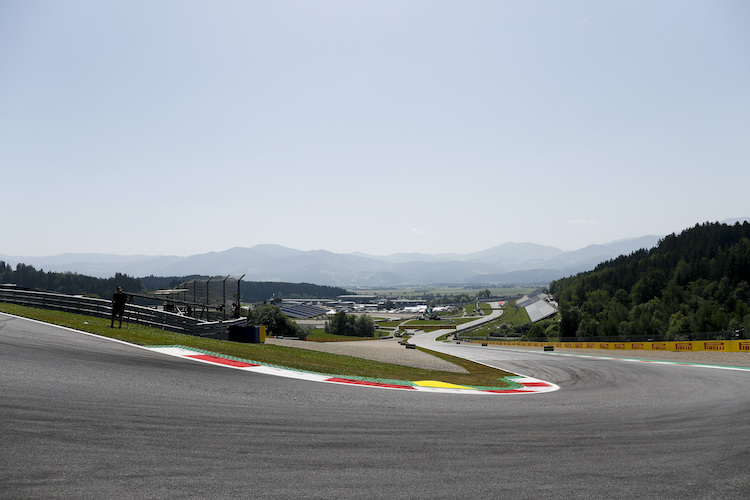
{"points": [[439, 291]]}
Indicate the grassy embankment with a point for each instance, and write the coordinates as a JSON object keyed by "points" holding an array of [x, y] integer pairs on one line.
{"points": [[471, 309], [300, 359], [512, 315]]}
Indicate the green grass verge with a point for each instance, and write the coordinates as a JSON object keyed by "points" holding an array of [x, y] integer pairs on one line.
{"points": [[460, 321], [426, 322], [299, 359], [472, 308], [389, 324], [512, 315]]}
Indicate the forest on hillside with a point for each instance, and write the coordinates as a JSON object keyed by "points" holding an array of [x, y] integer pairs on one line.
{"points": [[77, 284], [690, 284], [256, 291], [69, 283]]}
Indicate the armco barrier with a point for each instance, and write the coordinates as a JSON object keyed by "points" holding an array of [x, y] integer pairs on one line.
{"points": [[103, 308], [676, 346]]}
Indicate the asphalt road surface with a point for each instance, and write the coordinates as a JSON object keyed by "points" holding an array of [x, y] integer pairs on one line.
{"points": [[85, 417]]}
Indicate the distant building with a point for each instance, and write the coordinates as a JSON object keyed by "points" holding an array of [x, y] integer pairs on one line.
{"points": [[299, 309], [358, 299]]}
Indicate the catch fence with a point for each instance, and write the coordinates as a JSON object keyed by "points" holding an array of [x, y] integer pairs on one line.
{"points": [[102, 308]]}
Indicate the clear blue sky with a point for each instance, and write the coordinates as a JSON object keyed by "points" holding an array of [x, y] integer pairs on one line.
{"points": [[182, 127]]}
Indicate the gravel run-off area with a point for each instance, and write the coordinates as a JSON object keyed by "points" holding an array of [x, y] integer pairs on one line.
{"points": [[384, 350]]}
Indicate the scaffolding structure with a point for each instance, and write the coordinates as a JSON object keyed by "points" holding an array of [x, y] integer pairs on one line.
{"points": [[208, 297]]}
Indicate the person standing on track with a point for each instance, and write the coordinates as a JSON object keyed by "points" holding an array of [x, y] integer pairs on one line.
{"points": [[118, 306]]}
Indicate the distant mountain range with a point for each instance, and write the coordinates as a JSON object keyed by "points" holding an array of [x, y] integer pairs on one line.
{"points": [[507, 263]]}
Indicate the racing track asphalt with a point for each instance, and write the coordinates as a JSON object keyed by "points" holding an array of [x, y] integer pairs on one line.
{"points": [[85, 417]]}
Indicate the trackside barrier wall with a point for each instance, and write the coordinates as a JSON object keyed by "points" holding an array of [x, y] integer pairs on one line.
{"points": [[253, 334], [676, 346], [103, 308]]}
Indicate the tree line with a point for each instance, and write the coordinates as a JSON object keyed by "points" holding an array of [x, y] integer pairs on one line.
{"points": [[350, 325], [69, 283], [77, 284], [694, 282], [256, 291]]}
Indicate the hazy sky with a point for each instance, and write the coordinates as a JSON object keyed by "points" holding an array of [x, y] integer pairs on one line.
{"points": [[182, 127]]}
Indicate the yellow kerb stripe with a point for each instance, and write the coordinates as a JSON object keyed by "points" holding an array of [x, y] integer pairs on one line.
{"points": [[443, 385]]}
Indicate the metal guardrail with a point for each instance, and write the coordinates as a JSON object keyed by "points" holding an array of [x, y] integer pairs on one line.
{"points": [[103, 309]]}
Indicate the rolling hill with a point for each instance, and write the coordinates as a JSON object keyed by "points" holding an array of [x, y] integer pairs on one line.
{"points": [[506, 263]]}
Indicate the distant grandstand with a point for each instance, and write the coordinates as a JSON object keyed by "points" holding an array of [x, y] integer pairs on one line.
{"points": [[537, 306], [299, 310]]}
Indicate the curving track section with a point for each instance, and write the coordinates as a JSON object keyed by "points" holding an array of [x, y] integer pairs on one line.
{"points": [[86, 417]]}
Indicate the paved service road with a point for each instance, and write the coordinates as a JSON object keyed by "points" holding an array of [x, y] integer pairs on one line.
{"points": [[84, 417]]}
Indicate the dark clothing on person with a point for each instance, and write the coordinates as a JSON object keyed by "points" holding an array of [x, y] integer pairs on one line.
{"points": [[118, 305], [118, 302]]}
